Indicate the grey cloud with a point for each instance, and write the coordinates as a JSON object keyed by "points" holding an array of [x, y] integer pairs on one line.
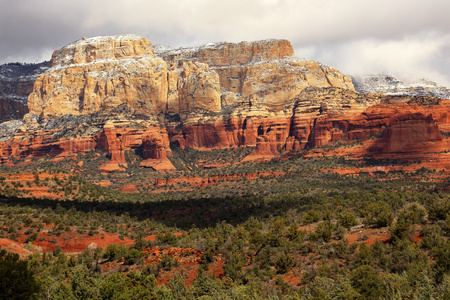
{"points": [[424, 55], [352, 35], [28, 27]]}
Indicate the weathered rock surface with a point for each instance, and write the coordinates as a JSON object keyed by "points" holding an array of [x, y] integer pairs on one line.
{"points": [[100, 74], [115, 138], [115, 94], [85, 51], [266, 69], [156, 149], [403, 128], [411, 133], [390, 85], [16, 84], [316, 117], [192, 85], [230, 54]]}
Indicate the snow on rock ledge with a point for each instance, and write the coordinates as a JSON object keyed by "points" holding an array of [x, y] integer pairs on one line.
{"points": [[101, 73], [389, 85], [229, 54], [87, 50]]}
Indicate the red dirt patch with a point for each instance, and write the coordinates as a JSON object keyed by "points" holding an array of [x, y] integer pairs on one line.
{"points": [[40, 192], [129, 188], [368, 236], [102, 183], [293, 279], [14, 247], [153, 236], [73, 242]]}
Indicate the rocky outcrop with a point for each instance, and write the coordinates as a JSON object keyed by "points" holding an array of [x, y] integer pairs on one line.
{"points": [[115, 138], [230, 54], [390, 85], [316, 114], [16, 84], [304, 122], [100, 74], [403, 129], [239, 127], [86, 51], [156, 149], [192, 85], [398, 131], [40, 144], [411, 133], [266, 69], [115, 94]]}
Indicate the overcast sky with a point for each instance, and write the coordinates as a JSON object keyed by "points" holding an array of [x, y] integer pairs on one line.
{"points": [[398, 37]]}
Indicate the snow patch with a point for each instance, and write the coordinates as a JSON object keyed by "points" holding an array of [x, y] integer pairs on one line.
{"points": [[101, 39], [126, 63], [217, 45], [389, 85]]}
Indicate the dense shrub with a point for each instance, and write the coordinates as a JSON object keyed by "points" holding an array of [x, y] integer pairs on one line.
{"points": [[17, 281], [379, 215]]}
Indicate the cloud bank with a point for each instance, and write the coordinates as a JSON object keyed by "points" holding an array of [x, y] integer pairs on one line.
{"points": [[402, 37]]}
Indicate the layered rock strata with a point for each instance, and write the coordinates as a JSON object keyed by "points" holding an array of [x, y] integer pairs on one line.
{"points": [[402, 128], [267, 69], [115, 94], [115, 138], [99, 74]]}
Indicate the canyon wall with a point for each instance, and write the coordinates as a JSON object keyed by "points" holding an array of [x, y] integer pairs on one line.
{"points": [[267, 69], [117, 94], [101, 73]]}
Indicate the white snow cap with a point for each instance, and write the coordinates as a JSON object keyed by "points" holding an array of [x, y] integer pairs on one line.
{"points": [[97, 39]]}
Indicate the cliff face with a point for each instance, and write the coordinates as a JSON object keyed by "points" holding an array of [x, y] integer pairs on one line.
{"points": [[115, 137], [230, 54], [414, 131], [16, 84], [192, 85], [266, 69], [101, 73], [115, 94]]}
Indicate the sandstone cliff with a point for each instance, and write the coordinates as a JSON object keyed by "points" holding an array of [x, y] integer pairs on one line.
{"points": [[115, 94], [192, 85], [101, 73], [114, 137], [404, 131], [267, 69]]}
